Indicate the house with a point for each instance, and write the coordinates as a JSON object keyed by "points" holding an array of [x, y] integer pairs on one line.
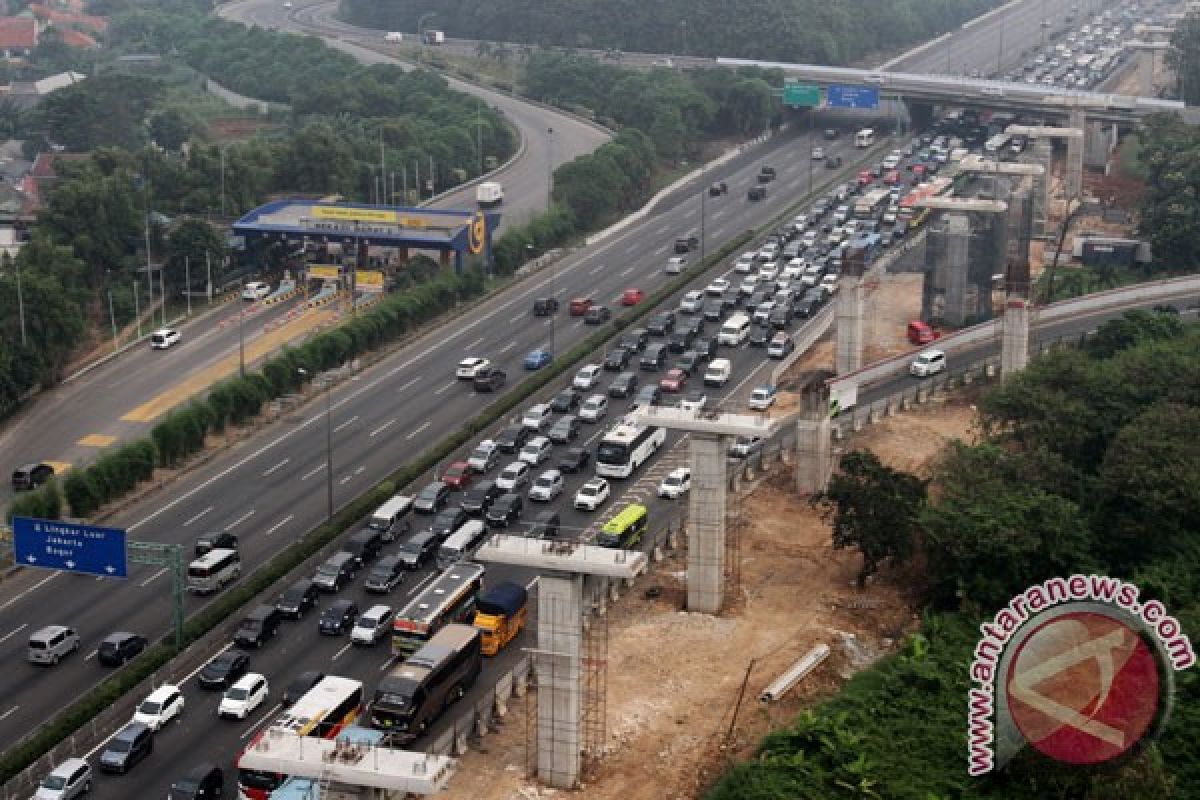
{"points": [[18, 36], [42, 176]]}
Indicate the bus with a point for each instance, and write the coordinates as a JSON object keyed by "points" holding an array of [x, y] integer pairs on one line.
{"points": [[415, 694], [333, 704], [910, 210], [625, 529], [450, 598], [995, 145], [213, 570], [864, 138], [872, 204], [626, 447]]}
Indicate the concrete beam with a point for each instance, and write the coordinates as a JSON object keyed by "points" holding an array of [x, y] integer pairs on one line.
{"points": [[567, 557], [720, 424], [974, 163], [1045, 131], [965, 204]]}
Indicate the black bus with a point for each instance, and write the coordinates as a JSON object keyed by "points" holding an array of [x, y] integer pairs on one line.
{"points": [[415, 694]]}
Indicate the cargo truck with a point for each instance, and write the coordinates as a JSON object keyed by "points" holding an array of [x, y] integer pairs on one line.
{"points": [[433, 37], [489, 194], [500, 614]]}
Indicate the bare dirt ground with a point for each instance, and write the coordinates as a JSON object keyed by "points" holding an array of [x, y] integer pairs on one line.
{"points": [[674, 677]]}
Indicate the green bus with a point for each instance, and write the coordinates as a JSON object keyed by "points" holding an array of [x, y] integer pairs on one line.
{"points": [[625, 529]]}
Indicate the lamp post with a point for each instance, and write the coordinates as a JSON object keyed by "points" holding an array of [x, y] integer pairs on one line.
{"points": [[549, 168], [20, 301], [328, 446], [421, 25]]}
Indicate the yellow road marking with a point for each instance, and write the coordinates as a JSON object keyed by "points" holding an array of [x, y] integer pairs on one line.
{"points": [[59, 466], [97, 440]]}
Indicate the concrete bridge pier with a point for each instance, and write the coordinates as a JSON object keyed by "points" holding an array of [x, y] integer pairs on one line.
{"points": [[1014, 347]]}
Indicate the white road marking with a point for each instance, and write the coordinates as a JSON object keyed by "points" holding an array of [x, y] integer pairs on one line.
{"points": [[272, 469], [8, 713], [345, 480], [13, 632], [382, 666], [261, 720], [90, 655], [516, 318], [421, 585], [595, 269], [417, 431], [280, 524], [360, 470], [350, 421], [30, 590], [410, 384], [383, 427], [155, 575], [475, 343], [339, 653], [508, 347], [198, 516], [664, 228], [626, 271], [239, 520], [446, 387], [312, 472]]}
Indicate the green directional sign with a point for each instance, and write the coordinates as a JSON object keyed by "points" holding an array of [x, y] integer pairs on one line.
{"points": [[799, 94]]}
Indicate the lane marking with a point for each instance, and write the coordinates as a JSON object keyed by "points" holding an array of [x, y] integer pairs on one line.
{"points": [[516, 319], [198, 516], [345, 480], [508, 347], [155, 575], [410, 384], [13, 632], [272, 469], [626, 271], [261, 720], [383, 427], [239, 520], [595, 269], [8, 713], [446, 387], [360, 470], [312, 472], [475, 343], [342, 652], [385, 665], [30, 590], [90, 655], [350, 421], [96, 440], [417, 431], [279, 524]]}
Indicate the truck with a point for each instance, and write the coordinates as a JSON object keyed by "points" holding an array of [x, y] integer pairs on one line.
{"points": [[393, 36], [489, 194], [433, 37], [500, 614]]}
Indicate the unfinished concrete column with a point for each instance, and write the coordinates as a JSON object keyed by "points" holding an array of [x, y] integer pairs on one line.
{"points": [[814, 447], [1014, 352], [1145, 70], [850, 304], [706, 524], [1075, 148], [953, 269], [560, 637], [1043, 154]]}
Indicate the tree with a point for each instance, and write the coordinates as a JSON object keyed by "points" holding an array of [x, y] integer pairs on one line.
{"points": [[169, 130], [874, 508], [191, 241], [1183, 57]]}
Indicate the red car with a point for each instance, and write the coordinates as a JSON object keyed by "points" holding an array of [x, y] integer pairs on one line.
{"points": [[865, 177], [920, 333], [892, 177], [458, 475], [580, 306], [631, 297], [673, 381]]}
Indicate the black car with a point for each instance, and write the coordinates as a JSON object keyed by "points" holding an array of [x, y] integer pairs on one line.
{"points": [[386, 575], [224, 670], [634, 340], [655, 357], [597, 315], [338, 618], [298, 598], [545, 306], [661, 324], [574, 459], [31, 476], [831, 133], [755, 300], [680, 341], [689, 362], [807, 307], [617, 359], [201, 781], [489, 380], [756, 193], [566, 401], [301, 685], [693, 325], [129, 746], [623, 385], [648, 396], [686, 243], [564, 429], [447, 522], [479, 496], [707, 348], [431, 498], [505, 511], [714, 309], [213, 541], [418, 549], [833, 162], [730, 299], [512, 438], [766, 174], [717, 189], [117, 648], [779, 317], [760, 335], [545, 525]]}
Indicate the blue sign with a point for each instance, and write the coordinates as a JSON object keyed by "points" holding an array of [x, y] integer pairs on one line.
{"points": [[853, 97], [50, 544]]}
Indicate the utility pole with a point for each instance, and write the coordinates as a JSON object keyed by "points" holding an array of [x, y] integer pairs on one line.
{"points": [[113, 319], [479, 133], [208, 269], [137, 312], [703, 201], [187, 284], [20, 302], [549, 168], [162, 292], [222, 182], [241, 335]]}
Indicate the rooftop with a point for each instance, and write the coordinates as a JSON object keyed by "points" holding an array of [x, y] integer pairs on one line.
{"points": [[18, 33]]}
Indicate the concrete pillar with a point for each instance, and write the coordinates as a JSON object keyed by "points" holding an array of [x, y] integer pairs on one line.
{"points": [[849, 328], [1043, 154], [1097, 141], [1074, 171], [560, 638], [1145, 70], [1014, 350], [953, 269], [814, 462], [706, 524]]}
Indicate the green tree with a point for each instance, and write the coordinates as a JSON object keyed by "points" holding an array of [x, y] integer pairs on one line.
{"points": [[188, 244], [1183, 57], [874, 508], [169, 129]]}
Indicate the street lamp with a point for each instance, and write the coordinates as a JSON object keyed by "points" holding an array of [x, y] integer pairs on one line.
{"points": [[421, 25], [328, 445], [20, 300], [549, 168]]}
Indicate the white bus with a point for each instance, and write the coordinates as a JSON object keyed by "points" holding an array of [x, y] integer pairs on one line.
{"points": [[213, 570], [864, 138], [626, 447], [995, 145]]}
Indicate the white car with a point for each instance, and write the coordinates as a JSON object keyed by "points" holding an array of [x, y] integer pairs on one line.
{"points": [[928, 363], [694, 401], [535, 451], [255, 290], [594, 409], [677, 483], [717, 287], [761, 398], [811, 277], [829, 283], [538, 417], [818, 153], [809, 239], [163, 338], [592, 494], [243, 697], [160, 707], [587, 377], [483, 457], [693, 302], [513, 476], [469, 367], [749, 285], [744, 263], [762, 312], [546, 486], [676, 265], [768, 272], [374, 624], [768, 252]]}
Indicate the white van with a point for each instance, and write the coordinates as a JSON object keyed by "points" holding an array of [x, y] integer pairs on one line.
{"points": [[213, 570], [462, 543], [391, 518], [735, 330], [718, 372]]}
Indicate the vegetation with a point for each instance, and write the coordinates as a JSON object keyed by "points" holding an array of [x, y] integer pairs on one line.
{"points": [[1170, 213], [789, 30], [1184, 58], [1089, 462]]}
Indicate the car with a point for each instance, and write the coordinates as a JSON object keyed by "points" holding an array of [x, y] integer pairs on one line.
{"points": [[566, 401], [207, 542], [756, 193], [818, 153], [224, 670], [631, 297], [489, 380], [748, 285], [512, 438], [930, 362], [127, 747], [661, 324], [160, 707], [514, 477], [545, 525], [676, 484], [759, 335], [374, 624], [689, 362], [387, 574], [717, 189], [694, 326], [717, 287], [597, 315], [546, 486], [298, 598], [654, 358], [587, 377], [675, 265], [535, 451], [781, 346], [744, 262], [594, 408], [830, 133], [545, 306], [163, 338], [623, 385], [301, 685], [338, 618], [432, 497], [829, 284], [743, 446], [505, 511], [458, 475], [117, 648], [564, 429], [287, 4], [673, 381], [692, 302], [694, 401], [807, 306], [484, 457], [714, 308], [579, 306], [447, 522], [833, 162], [685, 244], [617, 359], [536, 359], [648, 396], [635, 340], [476, 500], [574, 459], [418, 549], [255, 290], [592, 494], [31, 476], [243, 697], [761, 398], [537, 417], [762, 312], [70, 779], [780, 316], [468, 367]]}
